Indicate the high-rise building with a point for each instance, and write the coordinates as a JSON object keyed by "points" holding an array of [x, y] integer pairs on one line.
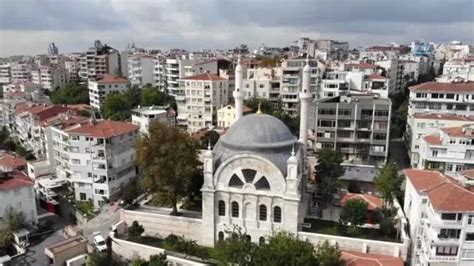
{"points": [[98, 61]]}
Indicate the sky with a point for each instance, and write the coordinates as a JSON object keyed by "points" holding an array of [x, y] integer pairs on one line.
{"points": [[28, 26]]}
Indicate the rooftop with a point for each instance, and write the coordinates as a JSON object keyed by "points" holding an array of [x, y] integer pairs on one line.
{"points": [[360, 65], [110, 79], [464, 131], [443, 117], [204, 76], [151, 109], [104, 129], [11, 161], [356, 258], [14, 180], [437, 86], [374, 202], [434, 139], [376, 76], [66, 244], [444, 193]]}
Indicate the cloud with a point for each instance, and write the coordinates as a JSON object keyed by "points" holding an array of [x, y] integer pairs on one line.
{"points": [[27, 26]]}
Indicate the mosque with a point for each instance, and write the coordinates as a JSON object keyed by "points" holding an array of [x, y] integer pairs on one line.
{"points": [[255, 177]]}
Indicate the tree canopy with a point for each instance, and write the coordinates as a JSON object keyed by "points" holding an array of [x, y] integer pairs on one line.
{"points": [[327, 172], [210, 137], [389, 183], [329, 255], [116, 107], [169, 158], [354, 212], [72, 93], [12, 221]]}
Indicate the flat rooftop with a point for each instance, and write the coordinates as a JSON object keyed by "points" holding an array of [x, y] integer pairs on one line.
{"points": [[65, 244]]}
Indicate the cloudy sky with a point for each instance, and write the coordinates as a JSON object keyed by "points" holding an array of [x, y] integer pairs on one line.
{"points": [[27, 26]]}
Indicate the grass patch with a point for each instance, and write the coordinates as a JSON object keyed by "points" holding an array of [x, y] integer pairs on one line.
{"points": [[86, 208], [335, 229]]}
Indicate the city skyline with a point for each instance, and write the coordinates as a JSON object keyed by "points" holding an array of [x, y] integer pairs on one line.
{"points": [[212, 24]]}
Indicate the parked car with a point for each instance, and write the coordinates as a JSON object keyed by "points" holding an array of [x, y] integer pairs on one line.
{"points": [[99, 242]]}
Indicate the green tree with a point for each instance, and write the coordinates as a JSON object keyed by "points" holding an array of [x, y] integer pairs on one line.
{"points": [[72, 93], [133, 95], [135, 229], [284, 248], [116, 107], [385, 217], [389, 183], [169, 158], [103, 259], [354, 212], [131, 191], [210, 137], [12, 221], [155, 260], [235, 249], [4, 135], [265, 105], [329, 255], [327, 172]]}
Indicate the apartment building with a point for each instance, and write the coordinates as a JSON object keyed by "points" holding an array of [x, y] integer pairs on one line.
{"points": [[140, 69], [107, 84], [144, 116], [98, 61], [435, 105], [441, 214], [96, 157], [17, 192], [20, 73], [159, 73], [356, 125], [198, 99], [291, 81], [50, 77], [72, 66], [5, 74], [263, 83], [226, 115], [458, 69], [450, 150]]}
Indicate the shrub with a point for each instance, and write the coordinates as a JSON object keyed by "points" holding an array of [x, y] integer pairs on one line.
{"points": [[136, 229]]}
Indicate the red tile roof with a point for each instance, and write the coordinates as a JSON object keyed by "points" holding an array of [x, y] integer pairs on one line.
{"points": [[468, 173], [433, 139], [355, 258], [65, 120], [12, 161], [205, 76], [104, 129], [110, 79], [50, 111], [443, 117], [437, 86], [443, 192], [373, 201], [455, 132], [376, 76], [16, 180]]}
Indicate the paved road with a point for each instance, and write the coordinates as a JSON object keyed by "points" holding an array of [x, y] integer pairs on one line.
{"points": [[102, 223]]}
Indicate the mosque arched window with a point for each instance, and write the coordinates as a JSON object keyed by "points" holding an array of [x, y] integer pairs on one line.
{"points": [[262, 213], [235, 181], [221, 208], [277, 214], [262, 184], [235, 209], [221, 236], [249, 175]]}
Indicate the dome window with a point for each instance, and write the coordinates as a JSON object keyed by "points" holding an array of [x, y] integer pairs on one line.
{"points": [[249, 175], [235, 181], [262, 184]]}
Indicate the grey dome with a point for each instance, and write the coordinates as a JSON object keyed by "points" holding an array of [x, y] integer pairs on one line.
{"points": [[259, 134], [258, 131]]}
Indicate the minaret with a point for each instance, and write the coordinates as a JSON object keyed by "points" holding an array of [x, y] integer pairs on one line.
{"points": [[305, 95], [238, 93]]}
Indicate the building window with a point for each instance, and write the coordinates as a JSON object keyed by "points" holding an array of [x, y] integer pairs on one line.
{"points": [[82, 196], [249, 175], [221, 236], [221, 208], [470, 219], [235, 209], [262, 184], [277, 214], [261, 240], [235, 181], [449, 233], [263, 213], [469, 236], [446, 251]]}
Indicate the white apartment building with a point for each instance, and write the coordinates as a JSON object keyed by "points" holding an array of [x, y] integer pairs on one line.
{"points": [[20, 73], [144, 116], [17, 192], [198, 99], [291, 81], [72, 66], [50, 77], [226, 115], [336, 83], [98, 61], [441, 214], [410, 69], [5, 73], [140, 69], [99, 89], [263, 83], [159, 72], [458, 69], [394, 71], [96, 157], [450, 150]]}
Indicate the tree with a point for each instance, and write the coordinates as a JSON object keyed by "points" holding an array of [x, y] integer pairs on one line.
{"points": [[155, 260], [136, 229], [389, 183], [284, 248], [169, 158], [385, 217], [116, 107], [131, 191], [327, 172], [235, 249], [354, 212], [265, 105], [12, 221], [103, 259], [133, 95], [72, 93], [329, 255], [210, 137]]}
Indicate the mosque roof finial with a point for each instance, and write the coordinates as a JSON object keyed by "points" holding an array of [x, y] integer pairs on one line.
{"points": [[307, 59], [259, 111], [209, 144], [293, 150]]}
